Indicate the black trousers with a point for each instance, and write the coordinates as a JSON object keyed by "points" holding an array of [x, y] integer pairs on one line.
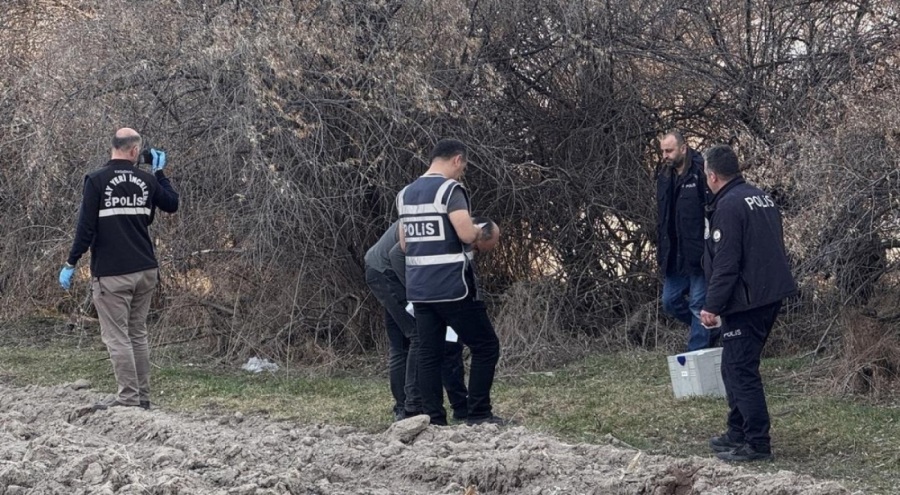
{"points": [[744, 335], [404, 349], [453, 374], [469, 319]]}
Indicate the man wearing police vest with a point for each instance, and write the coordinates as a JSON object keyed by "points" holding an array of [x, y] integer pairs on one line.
{"points": [[749, 275], [437, 233]]}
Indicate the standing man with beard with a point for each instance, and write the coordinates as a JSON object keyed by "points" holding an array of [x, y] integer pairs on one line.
{"points": [[749, 275], [682, 195]]}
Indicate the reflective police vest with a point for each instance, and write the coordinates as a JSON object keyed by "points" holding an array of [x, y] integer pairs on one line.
{"points": [[436, 259]]}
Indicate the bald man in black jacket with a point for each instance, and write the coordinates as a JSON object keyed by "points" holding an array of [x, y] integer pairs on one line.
{"points": [[118, 205]]}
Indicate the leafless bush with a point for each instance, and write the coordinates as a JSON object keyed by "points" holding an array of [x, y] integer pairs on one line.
{"points": [[870, 361], [528, 326], [291, 125]]}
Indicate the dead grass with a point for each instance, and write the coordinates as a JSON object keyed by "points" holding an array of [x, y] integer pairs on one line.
{"points": [[870, 359]]}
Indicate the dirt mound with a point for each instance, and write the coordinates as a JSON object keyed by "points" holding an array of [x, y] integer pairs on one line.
{"points": [[45, 449]]}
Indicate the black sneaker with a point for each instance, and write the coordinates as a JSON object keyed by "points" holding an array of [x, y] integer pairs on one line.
{"points": [[145, 404], [723, 443], [460, 415], [744, 453], [490, 420]]}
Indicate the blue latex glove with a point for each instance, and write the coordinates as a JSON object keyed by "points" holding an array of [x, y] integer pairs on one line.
{"points": [[159, 160], [65, 276]]}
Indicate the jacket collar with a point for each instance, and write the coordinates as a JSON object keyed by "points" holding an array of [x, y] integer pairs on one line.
{"points": [[722, 192], [120, 163], [693, 165]]}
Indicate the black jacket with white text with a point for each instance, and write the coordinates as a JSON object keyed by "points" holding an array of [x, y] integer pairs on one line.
{"points": [[118, 205], [745, 261]]}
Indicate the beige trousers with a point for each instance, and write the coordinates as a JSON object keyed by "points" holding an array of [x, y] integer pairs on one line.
{"points": [[123, 302]]}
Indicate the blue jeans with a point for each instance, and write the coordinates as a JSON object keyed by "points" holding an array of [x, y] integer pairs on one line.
{"points": [[687, 311]]}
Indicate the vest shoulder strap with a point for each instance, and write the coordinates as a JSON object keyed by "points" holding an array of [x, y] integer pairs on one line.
{"points": [[437, 206]]}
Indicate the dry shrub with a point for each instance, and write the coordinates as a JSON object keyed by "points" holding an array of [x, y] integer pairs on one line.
{"points": [[870, 358], [649, 328], [291, 125], [529, 323]]}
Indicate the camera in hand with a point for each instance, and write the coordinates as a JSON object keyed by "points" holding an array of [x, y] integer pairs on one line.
{"points": [[145, 156]]}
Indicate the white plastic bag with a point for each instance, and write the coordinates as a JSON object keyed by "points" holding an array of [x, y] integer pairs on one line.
{"points": [[257, 365]]}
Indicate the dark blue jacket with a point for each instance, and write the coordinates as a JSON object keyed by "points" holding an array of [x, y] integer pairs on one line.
{"points": [[745, 260], [681, 200]]}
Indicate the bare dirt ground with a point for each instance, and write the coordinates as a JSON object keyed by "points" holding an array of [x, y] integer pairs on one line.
{"points": [[46, 449]]}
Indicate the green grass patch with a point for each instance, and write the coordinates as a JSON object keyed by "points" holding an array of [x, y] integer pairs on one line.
{"points": [[182, 386], [626, 396], [629, 397]]}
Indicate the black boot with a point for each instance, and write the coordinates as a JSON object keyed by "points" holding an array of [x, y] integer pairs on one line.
{"points": [[745, 453], [723, 443]]}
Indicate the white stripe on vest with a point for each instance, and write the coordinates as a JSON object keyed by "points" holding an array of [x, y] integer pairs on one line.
{"points": [[439, 259], [422, 209], [441, 192], [109, 212]]}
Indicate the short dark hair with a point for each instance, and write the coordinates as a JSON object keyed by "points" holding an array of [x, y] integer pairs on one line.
{"points": [[123, 143], [722, 160], [675, 133], [448, 148]]}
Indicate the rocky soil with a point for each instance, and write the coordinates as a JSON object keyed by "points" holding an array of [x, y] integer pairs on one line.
{"points": [[47, 448]]}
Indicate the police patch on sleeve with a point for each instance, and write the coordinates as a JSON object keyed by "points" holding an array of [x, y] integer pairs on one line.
{"points": [[717, 235]]}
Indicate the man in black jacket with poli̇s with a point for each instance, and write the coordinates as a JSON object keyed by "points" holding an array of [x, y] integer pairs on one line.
{"points": [[118, 205], [748, 276]]}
